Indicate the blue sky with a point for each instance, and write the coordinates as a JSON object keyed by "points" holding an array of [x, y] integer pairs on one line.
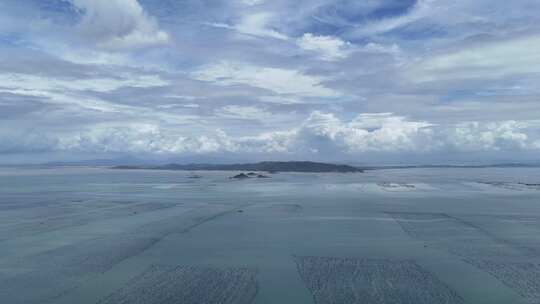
{"points": [[365, 81]]}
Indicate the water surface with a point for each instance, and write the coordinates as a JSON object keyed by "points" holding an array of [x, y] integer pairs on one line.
{"points": [[95, 235]]}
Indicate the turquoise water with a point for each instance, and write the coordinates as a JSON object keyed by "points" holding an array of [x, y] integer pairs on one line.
{"points": [[95, 235]]}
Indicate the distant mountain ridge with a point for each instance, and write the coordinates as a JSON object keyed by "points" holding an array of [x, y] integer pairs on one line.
{"points": [[443, 166], [268, 166]]}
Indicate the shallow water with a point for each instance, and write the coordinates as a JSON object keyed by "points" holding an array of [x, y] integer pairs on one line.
{"points": [[95, 235]]}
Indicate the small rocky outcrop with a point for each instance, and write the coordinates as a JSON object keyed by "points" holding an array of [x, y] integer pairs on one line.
{"points": [[240, 176], [249, 175]]}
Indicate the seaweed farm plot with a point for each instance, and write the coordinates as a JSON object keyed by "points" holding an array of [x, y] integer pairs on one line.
{"points": [[513, 186], [184, 284], [53, 273], [288, 208], [520, 229], [53, 223], [95, 255], [501, 258], [522, 277], [525, 220], [348, 280], [388, 186], [456, 236]]}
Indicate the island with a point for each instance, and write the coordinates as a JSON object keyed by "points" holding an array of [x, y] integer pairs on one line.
{"points": [[267, 166], [240, 176]]}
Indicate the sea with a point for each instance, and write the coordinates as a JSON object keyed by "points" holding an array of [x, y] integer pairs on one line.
{"points": [[77, 235]]}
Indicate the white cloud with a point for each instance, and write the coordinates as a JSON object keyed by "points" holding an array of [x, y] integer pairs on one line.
{"points": [[494, 136], [69, 100], [242, 112], [88, 56], [331, 48], [386, 132], [71, 91], [143, 138], [322, 134], [252, 2], [325, 134], [73, 99], [174, 105], [328, 47], [280, 81], [256, 24], [118, 24], [37, 83], [183, 97], [280, 100], [491, 60], [421, 9], [365, 133], [372, 47]]}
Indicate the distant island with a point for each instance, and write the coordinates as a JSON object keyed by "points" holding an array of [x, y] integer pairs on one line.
{"points": [[268, 166]]}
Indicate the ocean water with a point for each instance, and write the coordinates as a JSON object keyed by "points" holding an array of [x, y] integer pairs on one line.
{"points": [[96, 235]]}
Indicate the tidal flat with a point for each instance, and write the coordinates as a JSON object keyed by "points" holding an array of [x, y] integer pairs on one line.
{"points": [[92, 235]]}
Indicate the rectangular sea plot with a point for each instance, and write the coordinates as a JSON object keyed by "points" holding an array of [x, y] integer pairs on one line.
{"points": [[522, 277], [370, 281], [457, 236], [46, 276], [185, 284]]}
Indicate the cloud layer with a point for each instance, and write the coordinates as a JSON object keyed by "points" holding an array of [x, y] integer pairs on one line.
{"points": [[318, 79], [320, 135]]}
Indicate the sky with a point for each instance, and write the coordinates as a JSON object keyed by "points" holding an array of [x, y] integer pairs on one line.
{"points": [[373, 81]]}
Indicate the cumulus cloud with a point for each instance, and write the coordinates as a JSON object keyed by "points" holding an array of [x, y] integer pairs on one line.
{"points": [[321, 134], [328, 47], [277, 80], [118, 24], [324, 134], [142, 138], [365, 133], [493, 136], [390, 133]]}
